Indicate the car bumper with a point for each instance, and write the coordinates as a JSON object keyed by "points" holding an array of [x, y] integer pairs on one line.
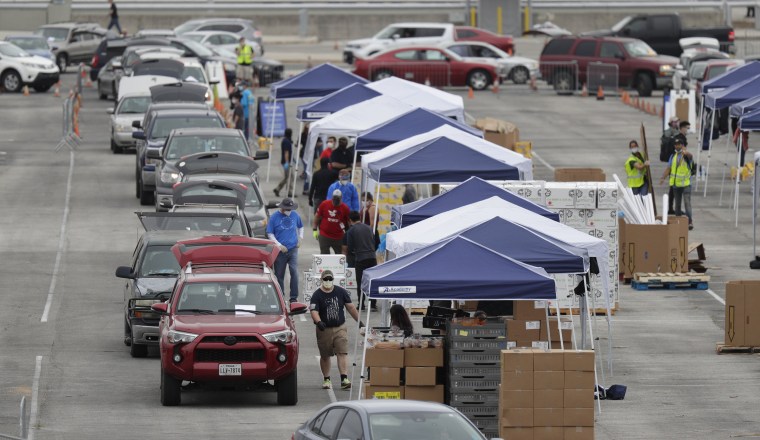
{"points": [[123, 139], [663, 82], [148, 176], [145, 334], [43, 79], [164, 198]]}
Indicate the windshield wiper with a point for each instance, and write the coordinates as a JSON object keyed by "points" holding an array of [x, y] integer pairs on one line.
{"points": [[255, 312], [161, 274], [201, 311]]}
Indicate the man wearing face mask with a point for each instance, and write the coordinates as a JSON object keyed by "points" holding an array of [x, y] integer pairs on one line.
{"points": [[327, 304], [330, 223], [342, 157], [286, 229], [330, 147], [680, 169], [636, 168], [347, 189], [320, 183], [360, 248]]}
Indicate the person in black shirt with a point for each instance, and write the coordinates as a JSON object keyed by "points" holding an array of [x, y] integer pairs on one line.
{"points": [[321, 182], [114, 14], [285, 160], [400, 320], [327, 304], [360, 247], [342, 157]]}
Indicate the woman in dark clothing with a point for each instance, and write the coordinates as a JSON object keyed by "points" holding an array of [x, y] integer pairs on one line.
{"points": [[400, 320]]}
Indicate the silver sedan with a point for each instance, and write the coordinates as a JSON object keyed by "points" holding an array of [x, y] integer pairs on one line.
{"points": [[130, 108]]}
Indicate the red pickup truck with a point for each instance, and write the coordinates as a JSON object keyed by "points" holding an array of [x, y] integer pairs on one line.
{"points": [[226, 322]]}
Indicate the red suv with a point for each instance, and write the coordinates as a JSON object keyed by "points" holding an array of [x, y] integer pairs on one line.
{"points": [[564, 63], [226, 322]]}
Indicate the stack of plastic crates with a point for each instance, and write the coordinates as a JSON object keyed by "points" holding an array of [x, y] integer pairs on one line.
{"points": [[474, 371]]}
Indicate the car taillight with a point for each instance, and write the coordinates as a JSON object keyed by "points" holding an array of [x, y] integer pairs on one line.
{"points": [[94, 62], [731, 35]]}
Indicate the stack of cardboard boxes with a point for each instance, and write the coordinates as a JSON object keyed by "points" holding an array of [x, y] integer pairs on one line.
{"points": [[654, 248], [529, 327], [409, 373], [742, 327], [344, 276], [546, 395]]}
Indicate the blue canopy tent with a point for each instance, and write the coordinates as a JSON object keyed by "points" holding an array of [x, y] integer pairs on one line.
{"points": [[471, 191], [750, 121], [410, 124], [345, 97], [731, 77], [440, 160], [746, 106]]}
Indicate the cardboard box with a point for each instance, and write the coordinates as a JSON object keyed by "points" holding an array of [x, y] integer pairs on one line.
{"points": [[516, 433], [522, 330], [579, 398], [742, 327], [516, 360], [548, 361], [375, 357], [548, 433], [579, 417], [579, 360], [385, 376], [377, 392], [579, 433], [548, 417], [420, 376], [351, 278], [579, 175], [567, 329], [579, 380], [334, 262], [516, 398], [499, 132], [548, 380], [529, 310], [606, 195], [548, 399], [602, 218], [585, 195], [423, 357], [655, 248], [468, 306], [517, 417], [516, 380], [559, 194], [429, 394]]}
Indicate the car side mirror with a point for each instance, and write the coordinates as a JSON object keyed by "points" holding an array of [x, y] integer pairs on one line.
{"points": [[395, 36], [271, 205], [153, 154], [298, 308], [138, 135], [125, 272], [261, 155], [213, 83], [136, 124], [160, 308], [110, 110]]}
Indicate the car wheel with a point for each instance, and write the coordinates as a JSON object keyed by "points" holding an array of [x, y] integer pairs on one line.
{"points": [[127, 333], [564, 83], [382, 74], [520, 75], [479, 79], [287, 390], [11, 81], [138, 185], [62, 60], [42, 89], [170, 390], [113, 92], [644, 84], [146, 197], [101, 95], [115, 148]]}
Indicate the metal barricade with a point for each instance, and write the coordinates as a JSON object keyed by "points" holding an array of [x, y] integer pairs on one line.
{"points": [[436, 74], [70, 123], [602, 75], [561, 75]]}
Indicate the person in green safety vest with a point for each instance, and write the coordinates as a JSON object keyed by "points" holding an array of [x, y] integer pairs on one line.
{"points": [[636, 169], [680, 167], [244, 71]]}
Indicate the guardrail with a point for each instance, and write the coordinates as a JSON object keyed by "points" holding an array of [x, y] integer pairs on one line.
{"points": [[561, 75]]}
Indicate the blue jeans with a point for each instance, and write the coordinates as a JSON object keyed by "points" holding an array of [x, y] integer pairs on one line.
{"points": [[114, 22], [289, 259]]}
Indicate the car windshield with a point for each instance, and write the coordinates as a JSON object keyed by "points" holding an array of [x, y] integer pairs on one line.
{"points": [[220, 223], [134, 105], [30, 43], [159, 262], [716, 70], [56, 34], [620, 24], [251, 197], [180, 146], [639, 49], [194, 37], [12, 51], [424, 425], [187, 27], [199, 49], [697, 70], [194, 74], [163, 126], [222, 52], [245, 299], [388, 32]]}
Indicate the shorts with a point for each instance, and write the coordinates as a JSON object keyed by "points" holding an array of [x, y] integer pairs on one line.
{"points": [[244, 72], [332, 341]]}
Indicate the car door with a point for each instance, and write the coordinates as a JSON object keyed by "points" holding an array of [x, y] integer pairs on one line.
{"points": [[663, 35], [463, 50], [584, 52], [352, 427], [611, 52], [91, 44], [77, 45], [434, 68]]}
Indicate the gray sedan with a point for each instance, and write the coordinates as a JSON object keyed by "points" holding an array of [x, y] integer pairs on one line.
{"points": [[129, 109]]}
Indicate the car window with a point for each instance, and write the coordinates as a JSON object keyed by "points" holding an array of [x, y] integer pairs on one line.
{"points": [[433, 55], [406, 55], [317, 422], [484, 52], [463, 50], [234, 28], [227, 39], [639, 49], [57, 34], [425, 425], [637, 26], [133, 105], [77, 37], [30, 43], [697, 69], [715, 71], [428, 32], [194, 74], [330, 423], [610, 50], [389, 32], [229, 296], [136, 253], [559, 46], [180, 146], [351, 428], [585, 49], [214, 39], [662, 24], [12, 51], [163, 126], [159, 261], [194, 37], [465, 33]]}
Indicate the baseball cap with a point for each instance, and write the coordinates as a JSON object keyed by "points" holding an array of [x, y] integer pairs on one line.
{"points": [[673, 119], [327, 273], [337, 193], [287, 203], [677, 142]]}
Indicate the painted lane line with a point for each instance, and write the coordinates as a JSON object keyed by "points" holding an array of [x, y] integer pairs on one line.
{"points": [[715, 295], [33, 411], [61, 242], [330, 392]]}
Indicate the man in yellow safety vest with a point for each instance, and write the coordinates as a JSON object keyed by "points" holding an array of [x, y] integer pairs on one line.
{"points": [[679, 169], [244, 53], [636, 168]]}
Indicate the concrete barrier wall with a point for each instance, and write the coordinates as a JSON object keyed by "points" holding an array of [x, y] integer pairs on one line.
{"points": [[580, 20]]}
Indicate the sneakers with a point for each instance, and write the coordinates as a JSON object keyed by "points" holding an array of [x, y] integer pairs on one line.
{"points": [[345, 384], [276, 192], [327, 384], [691, 227]]}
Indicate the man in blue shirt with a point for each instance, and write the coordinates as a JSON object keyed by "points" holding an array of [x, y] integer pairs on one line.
{"points": [[247, 100], [347, 189], [286, 229]]}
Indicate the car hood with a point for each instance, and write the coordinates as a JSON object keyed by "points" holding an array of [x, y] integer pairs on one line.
{"points": [[42, 53], [661, 59], [151, 286], [127, 118], [598, 33], [266, 62], [41, 62], [228, 322]]}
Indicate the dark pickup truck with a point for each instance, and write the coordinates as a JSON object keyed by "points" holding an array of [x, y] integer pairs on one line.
{"points": [[662, 32]]}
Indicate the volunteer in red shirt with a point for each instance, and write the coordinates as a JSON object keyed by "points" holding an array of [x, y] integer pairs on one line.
{"points": [[330, 223]]}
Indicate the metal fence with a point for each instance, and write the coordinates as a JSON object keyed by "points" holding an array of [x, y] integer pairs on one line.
{"points": [[70, 123], [561, 75], [602, 75], [436, 74]]}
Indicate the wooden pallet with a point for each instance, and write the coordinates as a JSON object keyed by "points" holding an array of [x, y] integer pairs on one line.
{"points": [[597, 311], [721, 348], [670, 281]]}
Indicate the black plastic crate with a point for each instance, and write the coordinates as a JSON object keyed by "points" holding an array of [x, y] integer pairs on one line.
{"points": [[473, 386], [483, 398], [458, 332], [488, 373], [467, 359], [483, 424], [486, 412], [479, 344]]}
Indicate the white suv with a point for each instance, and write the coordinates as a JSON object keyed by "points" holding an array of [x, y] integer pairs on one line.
{"points": [[18, 68], [399, 34]]}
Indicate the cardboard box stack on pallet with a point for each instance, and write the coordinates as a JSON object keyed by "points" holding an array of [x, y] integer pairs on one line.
{"points": [[408, 373], [345, 277], [505, 134], [654, 248], [742, 327], [528, 328], [546, 394]]}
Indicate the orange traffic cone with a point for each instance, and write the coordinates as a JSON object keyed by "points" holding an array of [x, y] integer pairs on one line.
{"points": [[57, 90], [584, 90], [600, 94], [662, 111], [470, 93], [533, 83], [26, 90], [495, 87]]}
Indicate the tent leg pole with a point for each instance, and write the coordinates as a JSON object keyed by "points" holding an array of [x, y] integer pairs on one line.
{"points": [[709, 151], [271, 138], [754, 211], [738, 177], [582, 309], [548, 326], [572, 320], [700, 139], [298, 159], [364, 354], [725, 165], [353, 364], [353, 166]]}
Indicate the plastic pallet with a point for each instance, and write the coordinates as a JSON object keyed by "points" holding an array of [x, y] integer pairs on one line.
{"points": [[667, 285], [478, 344], [485, 398], [474, 359], [465, 333], [478, 411], [473, 386], [465, 372]]}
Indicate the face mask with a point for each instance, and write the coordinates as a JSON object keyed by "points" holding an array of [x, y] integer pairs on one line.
{"points": [[343, 178], [336, 201], [330, 145], [327, 284], [286, 211], [634, 150], [679, 148]]}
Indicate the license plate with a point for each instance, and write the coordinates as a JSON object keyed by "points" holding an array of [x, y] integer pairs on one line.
{"points": [[230, 370]]}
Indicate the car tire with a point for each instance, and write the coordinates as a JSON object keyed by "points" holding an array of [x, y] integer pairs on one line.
{"points": [[479, 79], [146, 197], [113, 92], [519, 75], [101, 95], [41, 89], [287, 390], [62, 61], [382, 74], [11, 81], [171, 389], [138, 185], [138, 350], [564, 83], [127, 333], [644, 84], [114, 148]]}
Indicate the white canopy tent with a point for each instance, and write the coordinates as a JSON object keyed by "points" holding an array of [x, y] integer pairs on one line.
{"points": [[509, 157], [421, 96]]}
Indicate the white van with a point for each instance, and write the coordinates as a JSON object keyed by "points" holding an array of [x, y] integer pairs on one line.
{"points": [[399, 34]]}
